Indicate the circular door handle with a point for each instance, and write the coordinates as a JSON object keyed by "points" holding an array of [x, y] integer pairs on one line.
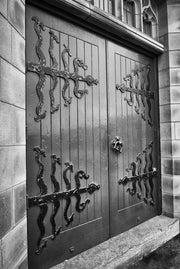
{"points": [[117, 145]]}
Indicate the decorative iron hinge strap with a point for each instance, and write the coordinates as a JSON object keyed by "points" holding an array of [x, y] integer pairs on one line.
{"points": [[144, 176], [123, 88], [50, 198]]}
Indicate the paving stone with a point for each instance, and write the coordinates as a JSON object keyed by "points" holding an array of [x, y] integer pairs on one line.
{"points": [[18, 50], [5, 34], [14, 245], [5, 212], [3, 7], [12, 84], [19, 201], [12, 166], [16, 15]]}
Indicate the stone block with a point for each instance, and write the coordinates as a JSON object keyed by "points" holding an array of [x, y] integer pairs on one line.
{"points": [[163, 61], [174, 41], [176, 185], [167, 184], [175, 76], [5, 34], [14, 245], [12, 84], [176, 148], [167, 166], [174, 58], [167, 131], [3, 7], [176, 167], [167, 204], [166, 149], [164, 40], [165, 113], [12, 122], [173, 18], [162, 18], [175, 94], [177, 130], [19, 201], [12, 166], [175, 112], [176, 203], [18, 50], [164, 96], [164, 78], [16, 15], [5, 212]]}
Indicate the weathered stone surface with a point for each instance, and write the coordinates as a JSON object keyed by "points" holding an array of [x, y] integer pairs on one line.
{"points": [[174, 58], [176, 167], [14, 245], [176, 185], [5, 212], [164, 96], [16, 15], [176, 200], [167, 184], [164, 78], [176, 148], [166, 148], [174, 41], [165, 113], [167, 131], [177, 130], [18, 50], [167, 204], [167, 166], [175, 76], [163, 61], [3, 7], [162, 20], [175, 112], [12, 85], [12, 122], [175, 94], [19, 201], [164, 40], [174, 18], [121, 250], [12, 166], [5, 34]]}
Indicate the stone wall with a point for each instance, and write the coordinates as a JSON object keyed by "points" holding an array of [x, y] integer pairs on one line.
{"points": [[169, 83], [12, 134]]}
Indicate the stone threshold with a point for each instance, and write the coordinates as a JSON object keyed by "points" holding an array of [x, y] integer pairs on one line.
{"points": [[126, 248]]}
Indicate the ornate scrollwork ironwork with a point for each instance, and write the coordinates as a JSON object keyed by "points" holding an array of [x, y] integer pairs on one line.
{"points": [[137, 84], [43, 71], [117, 145], [138, 177], [43, 198]]}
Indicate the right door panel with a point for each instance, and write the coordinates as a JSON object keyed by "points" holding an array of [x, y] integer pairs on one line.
{"points": [[133, 143]]}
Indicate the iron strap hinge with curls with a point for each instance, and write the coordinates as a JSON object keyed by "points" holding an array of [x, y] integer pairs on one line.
{"points": [[137, 85], [141, 175], [43, 71], [43, 198]]}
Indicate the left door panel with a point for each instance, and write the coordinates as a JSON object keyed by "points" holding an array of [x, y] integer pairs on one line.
{"points": [[67, 166]]}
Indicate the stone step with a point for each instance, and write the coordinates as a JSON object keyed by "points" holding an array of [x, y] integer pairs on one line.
{"points": [[126, 248]]}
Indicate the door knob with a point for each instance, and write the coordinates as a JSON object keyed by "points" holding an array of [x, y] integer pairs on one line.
{"points": [[117, 144]]}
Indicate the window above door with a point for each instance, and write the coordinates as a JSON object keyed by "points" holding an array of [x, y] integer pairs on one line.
{"points": [[141, 14]]}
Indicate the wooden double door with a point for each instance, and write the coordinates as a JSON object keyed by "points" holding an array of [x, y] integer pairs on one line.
{"points": [[92, 149]]}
